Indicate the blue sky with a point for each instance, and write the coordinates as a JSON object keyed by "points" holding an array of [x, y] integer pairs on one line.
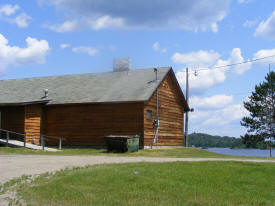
{"points": [[45, 38]]}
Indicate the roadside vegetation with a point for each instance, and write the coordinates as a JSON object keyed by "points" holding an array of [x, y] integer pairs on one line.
{"points": [[177, 183]]}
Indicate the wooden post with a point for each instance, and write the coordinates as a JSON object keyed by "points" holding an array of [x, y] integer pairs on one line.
{"points": [[186, 115], [183, 132], [60, 143], [7, 138], [42, 142]]}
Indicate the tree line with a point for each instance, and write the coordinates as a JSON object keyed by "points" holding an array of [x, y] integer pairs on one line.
{"points": [[205, 140]]}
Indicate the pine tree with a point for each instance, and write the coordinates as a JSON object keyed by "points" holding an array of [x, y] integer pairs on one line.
{"points": [[261, 120]]}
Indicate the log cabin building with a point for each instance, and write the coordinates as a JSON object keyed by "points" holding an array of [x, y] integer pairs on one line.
{"points": [[86, 107]]}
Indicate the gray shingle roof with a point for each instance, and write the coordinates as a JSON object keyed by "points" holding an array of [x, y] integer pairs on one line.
{"points": [[134, 85]]}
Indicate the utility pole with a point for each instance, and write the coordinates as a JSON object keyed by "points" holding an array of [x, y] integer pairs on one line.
{"points": [[186, 115]]}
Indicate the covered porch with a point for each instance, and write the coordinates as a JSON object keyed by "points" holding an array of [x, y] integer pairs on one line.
{"points": [[22, 119]]}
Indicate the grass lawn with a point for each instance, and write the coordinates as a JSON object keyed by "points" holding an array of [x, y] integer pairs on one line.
{"points": [[162, 152], [178, 183]]}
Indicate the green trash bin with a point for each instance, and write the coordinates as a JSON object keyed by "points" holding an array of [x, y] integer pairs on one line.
{"points": [[122, 143]]}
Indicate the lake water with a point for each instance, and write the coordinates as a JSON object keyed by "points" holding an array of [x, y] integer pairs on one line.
{"points": [[242, 152]]}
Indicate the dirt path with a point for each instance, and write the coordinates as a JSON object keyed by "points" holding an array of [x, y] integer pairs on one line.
{"points": [[13, 166]]}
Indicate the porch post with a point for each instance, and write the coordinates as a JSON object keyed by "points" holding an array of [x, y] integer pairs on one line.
{"points": [[42, 142], [7, 138]]}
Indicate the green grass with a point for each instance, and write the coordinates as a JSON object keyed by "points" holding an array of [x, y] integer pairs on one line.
{"points": [[12, 183], [178, 183], [162, 152]]}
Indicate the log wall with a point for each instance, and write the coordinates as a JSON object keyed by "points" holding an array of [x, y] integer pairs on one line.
{"points": [[86, 125], [32, 123], [170, 115]]}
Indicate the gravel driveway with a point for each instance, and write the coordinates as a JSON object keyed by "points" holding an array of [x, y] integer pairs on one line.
{"points": [[12, 166]]}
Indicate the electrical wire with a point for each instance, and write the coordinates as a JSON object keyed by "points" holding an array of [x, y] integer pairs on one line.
{"points": [[235, 64]]}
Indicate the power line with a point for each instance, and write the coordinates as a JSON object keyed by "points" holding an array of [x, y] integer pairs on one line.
{"points": [[235, 64], [231, 94]]}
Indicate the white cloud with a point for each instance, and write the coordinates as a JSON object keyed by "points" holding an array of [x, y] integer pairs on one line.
{"points": [[226, 116], [214, 27], [64, 27], [34, 53], [181, 14], [199, 114], [105, 22], [265, 53], [235, 57], [266, 28], [8, 9], [213, 102], [219, 117], [84, 22], [200, 58], [205, 80], [63, 46], [250, 23], [206, 77], [21, 20], [216, 114], [89, 50], [234, 112], [156, 47]]}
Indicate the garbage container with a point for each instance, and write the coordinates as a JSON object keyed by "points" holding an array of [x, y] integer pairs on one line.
{"points": [[122, 143]]}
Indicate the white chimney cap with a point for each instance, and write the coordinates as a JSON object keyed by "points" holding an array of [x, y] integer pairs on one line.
{"points": [[122, 64]]}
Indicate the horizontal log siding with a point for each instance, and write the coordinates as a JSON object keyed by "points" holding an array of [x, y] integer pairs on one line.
{"points": [[86, 125], [170, 116], [33, 118]]}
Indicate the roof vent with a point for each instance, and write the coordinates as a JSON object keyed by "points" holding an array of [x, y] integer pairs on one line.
{"points": [[122, 64], [46, 93]]}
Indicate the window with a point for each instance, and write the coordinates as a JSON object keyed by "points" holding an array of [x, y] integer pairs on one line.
{"points": [[149, 115]]}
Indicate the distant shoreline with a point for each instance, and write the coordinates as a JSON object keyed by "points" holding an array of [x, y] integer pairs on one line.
{"points": [[249, 152]]}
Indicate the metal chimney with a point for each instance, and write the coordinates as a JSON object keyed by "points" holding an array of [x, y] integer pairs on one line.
{"points": [[46, 93], [122, 64]]}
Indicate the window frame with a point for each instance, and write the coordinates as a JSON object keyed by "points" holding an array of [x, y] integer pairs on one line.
{"points": [[149, 114]]}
